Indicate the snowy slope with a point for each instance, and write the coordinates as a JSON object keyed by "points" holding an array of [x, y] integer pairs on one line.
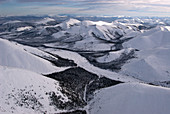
{"points": [[152, 62], [27, 92], [153, 38], [151, 65], [131, 98], [14, 55]]}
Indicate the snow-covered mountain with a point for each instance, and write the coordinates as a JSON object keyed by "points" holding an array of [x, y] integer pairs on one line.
{"points": [[131, 98], [75, 65], [45, 20], [92, 36], [15, 55], [152, 62]]}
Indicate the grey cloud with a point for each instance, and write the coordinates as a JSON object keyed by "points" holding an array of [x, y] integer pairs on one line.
{"points": [[163, 5], [3, 0], [36, 0], [56, 1], [99, 6]]}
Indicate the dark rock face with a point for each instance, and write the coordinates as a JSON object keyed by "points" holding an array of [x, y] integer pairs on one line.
{"points": [[79, 85], [114, 65], [75, 112], [13, 26], [58, 61], [53, 23], [61, 62], [163, 84], [52, 30]]}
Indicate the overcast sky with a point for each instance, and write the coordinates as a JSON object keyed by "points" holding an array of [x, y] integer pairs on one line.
{"points": [[86, 7]]}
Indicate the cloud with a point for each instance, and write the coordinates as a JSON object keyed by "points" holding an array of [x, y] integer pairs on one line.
{"points": [[86, 3], [96, 7], [55, 1], [35, 0], [3, 1]]}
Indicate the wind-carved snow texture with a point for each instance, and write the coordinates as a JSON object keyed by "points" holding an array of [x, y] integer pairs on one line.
{"points": [[84, 66]]}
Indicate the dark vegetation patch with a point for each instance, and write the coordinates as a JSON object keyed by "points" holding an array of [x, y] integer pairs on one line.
{"points": [[79, 85], [75, 112], [101, 82], [26, 98], [73, 82]]}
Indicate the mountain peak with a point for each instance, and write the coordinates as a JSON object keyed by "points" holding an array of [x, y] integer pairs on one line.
{"points": [[45, 20]]}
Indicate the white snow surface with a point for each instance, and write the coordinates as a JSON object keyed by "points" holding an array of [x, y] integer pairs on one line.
{"points": [[14, 55], [100, 23], [152, 62], [45, 20], [68, 23], [131, 98], [11, 22], [24, 28], [18, 84], [151, 65], [153, 38], [167, 27]]}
